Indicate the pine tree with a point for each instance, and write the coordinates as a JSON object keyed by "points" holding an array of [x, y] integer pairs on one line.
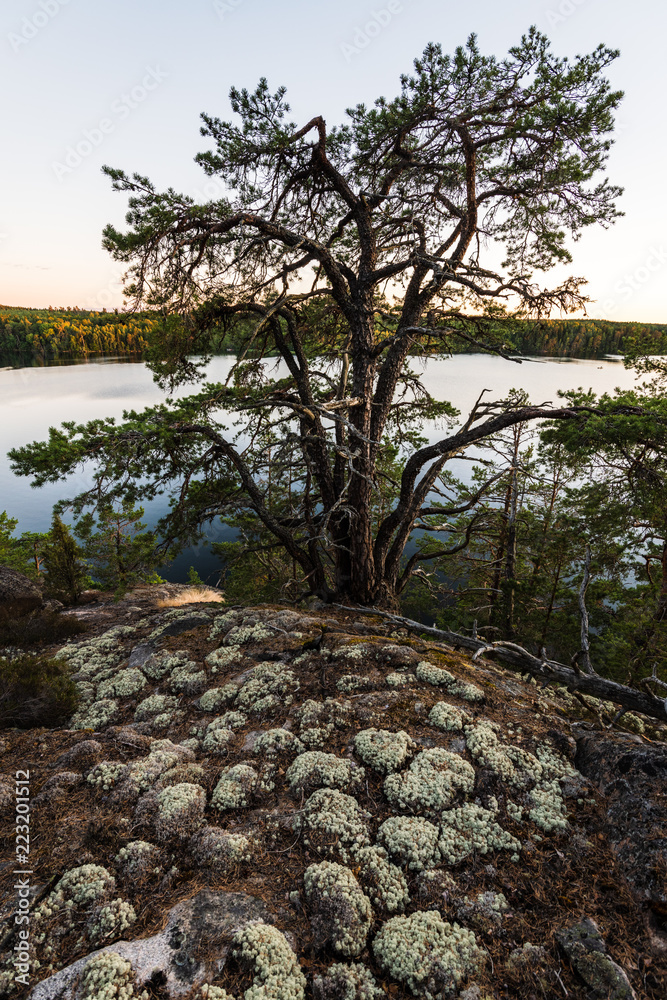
{"points": [[119, 550], [66, 576]]}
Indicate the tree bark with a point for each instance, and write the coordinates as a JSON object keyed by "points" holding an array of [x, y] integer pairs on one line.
{"points": [[661, 608], [583, 612]]}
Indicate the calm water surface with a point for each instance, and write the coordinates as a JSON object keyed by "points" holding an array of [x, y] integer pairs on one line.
{"points": [[34, 399]]}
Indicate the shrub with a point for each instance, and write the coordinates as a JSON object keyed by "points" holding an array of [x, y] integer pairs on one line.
{"points": [[40, 628], [118, 550], [35, 691]]}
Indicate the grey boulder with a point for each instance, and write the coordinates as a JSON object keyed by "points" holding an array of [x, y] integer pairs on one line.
{"points": [[18, 594], [173, 960], [585, 947]]}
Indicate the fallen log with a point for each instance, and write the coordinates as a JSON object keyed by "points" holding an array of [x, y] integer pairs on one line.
{"points": [[520, 660]]}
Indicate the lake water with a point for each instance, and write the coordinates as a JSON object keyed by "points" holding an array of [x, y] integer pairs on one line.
{"points": [[34, 399]]}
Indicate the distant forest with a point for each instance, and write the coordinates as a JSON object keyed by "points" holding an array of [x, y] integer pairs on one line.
{"points": [[586, 338], [42, 335]]}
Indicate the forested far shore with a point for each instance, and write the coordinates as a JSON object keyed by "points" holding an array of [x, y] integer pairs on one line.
{"points": [[43, 335], [29, 335], [587, 338]]}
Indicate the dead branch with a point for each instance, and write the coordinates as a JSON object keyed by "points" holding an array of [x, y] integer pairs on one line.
{"points": [[519, 659]]}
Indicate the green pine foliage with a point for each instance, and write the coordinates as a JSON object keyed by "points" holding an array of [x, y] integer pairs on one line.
{"points": [[514, 564], [115, 553], [24, 553], [117, 549], [194, 578], [66, 577]]}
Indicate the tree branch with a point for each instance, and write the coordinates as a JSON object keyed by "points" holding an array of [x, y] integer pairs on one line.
{"points": [[520, 660]]}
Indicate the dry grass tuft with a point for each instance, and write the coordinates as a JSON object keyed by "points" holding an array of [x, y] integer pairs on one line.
{"points": [[192, 595]]}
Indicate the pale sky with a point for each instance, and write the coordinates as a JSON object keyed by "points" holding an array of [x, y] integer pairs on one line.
{"points": [[126, 80]]}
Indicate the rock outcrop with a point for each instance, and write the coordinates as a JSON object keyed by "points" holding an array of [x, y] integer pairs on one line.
{"points": [[277, 804], [18, 594], [632, 776], [170, 960], [585, 947]]}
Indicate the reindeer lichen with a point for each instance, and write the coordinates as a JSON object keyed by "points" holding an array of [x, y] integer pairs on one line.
{"points": [[315, 769], [431, 956], [434, 779], [341, 913], [383, 750], [277, 975], [334, 823], [411, 841]]}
